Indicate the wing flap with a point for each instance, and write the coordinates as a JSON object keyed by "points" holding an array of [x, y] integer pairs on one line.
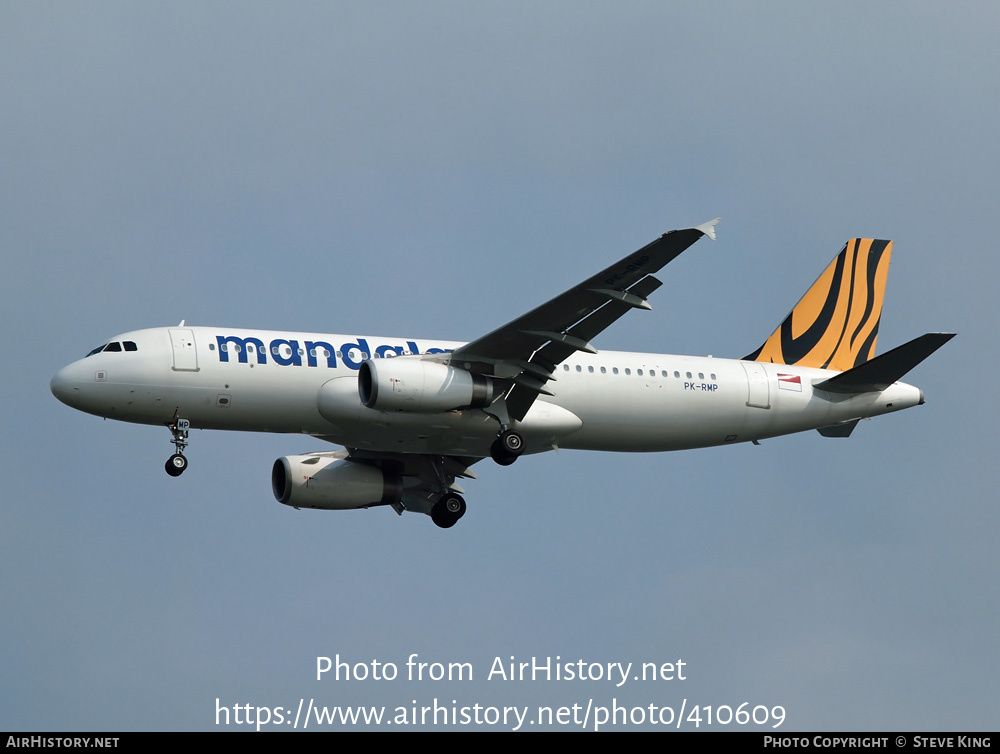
{"points": [[555, 352]]}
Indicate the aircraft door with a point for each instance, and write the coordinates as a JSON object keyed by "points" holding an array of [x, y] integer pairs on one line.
{"points": [[185, 354], [758, 393]]}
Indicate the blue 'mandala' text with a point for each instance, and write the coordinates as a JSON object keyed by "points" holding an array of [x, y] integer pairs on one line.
{"points": [[311, 353]]}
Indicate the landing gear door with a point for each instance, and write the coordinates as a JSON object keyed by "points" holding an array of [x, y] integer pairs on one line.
{"points": [[185, 355], [758, 394]]}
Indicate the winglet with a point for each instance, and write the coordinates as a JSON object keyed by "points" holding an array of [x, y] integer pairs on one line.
{"points": [[709, 228]]}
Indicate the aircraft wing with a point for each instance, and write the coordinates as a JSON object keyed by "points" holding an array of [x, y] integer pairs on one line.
{"points": [[528, 349]]}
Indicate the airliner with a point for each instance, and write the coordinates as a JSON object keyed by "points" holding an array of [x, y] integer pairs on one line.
{"points": [[414, 415]]}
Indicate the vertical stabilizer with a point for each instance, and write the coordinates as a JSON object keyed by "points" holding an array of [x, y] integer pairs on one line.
{"points": [[835, 325]]}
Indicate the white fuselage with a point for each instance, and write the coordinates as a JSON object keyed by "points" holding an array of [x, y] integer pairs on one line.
{"points": [[220, 378]]}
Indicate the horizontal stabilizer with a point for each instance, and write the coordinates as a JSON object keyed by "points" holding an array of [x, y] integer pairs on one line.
{"points": [[879, 373], [843, 429]]}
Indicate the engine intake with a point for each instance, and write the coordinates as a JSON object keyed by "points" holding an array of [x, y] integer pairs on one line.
{"points": [[402, 384]]}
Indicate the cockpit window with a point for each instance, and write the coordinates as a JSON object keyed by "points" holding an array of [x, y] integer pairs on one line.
{"points": [[129, 345]]}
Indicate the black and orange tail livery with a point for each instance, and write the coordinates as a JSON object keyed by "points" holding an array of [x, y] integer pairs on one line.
{"points": [[835, 325]]}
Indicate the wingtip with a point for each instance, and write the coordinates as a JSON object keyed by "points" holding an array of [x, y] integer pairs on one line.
{"points": [[709, 228]]}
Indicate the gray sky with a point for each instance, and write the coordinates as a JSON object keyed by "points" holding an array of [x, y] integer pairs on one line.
{"points": [[434, 170]]}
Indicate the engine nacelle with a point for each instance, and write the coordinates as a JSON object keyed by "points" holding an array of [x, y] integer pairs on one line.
{"points": [[320, 481], [402, 384]]}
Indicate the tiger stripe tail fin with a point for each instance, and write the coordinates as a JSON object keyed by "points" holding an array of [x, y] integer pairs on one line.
{"points": [[835, 324]]}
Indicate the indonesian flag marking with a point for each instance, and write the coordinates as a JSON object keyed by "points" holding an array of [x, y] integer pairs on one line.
{"points": [[789, 382]]}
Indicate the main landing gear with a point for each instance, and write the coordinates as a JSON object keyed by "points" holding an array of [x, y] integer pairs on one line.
{"points": [[176, 464], [448, 509], [509, 444], [507, 447]]}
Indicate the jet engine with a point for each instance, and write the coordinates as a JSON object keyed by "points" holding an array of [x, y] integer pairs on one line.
{"points": [[402, 384], [323, 481]]}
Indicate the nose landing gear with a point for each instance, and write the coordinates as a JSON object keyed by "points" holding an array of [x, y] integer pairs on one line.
{"points": [[177, 463]]}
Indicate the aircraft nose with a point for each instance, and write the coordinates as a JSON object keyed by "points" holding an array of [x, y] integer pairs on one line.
{"points": [[65, 386]]}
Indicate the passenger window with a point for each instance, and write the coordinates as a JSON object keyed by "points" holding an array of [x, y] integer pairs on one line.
{"points": [[604, 370], [579, 368], [712, 375], [689, 375], [615, 370], [590, 369], [677, 374], [701, 375], [565, 367], [628, 371]]}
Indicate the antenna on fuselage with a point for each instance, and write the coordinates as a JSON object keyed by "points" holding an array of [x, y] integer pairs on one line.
{"points": [[181, 324]]}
